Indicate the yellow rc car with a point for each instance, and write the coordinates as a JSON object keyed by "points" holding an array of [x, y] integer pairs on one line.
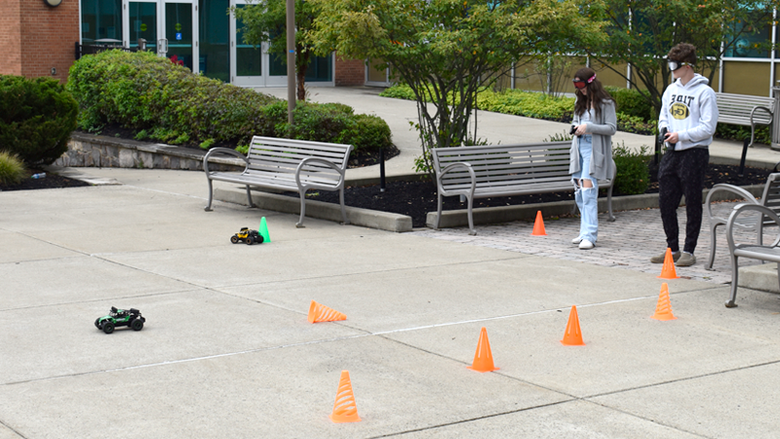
{"points": [[247, 236]]}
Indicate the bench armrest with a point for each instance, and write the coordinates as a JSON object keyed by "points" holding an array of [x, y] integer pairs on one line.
{"points": [[309, 160], [735, 190], [743, 207], [759, 107], [228, 151], [453, 166]]}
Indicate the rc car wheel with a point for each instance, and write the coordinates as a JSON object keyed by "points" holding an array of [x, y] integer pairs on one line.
{"points": [[249, 240], [97, 323], [108, 327], [137, 325], [259, 239], [234, 239]]}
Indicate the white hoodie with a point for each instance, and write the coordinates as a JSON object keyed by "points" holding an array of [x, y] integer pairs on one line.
{"points": [[691, 111]]}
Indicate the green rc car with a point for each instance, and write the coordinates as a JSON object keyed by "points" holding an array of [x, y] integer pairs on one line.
{"points": [[121, 317], [247, 236]]}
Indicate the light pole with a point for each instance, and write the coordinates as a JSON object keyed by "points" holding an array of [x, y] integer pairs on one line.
{"points": [[290, 60]]}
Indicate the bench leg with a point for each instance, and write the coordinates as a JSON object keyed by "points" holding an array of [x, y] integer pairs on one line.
{"points": [[713, 245], [472, 230], [208, 207], [734, 280], [249, 197], [344, 219], [299, 224], [609, 204], [438, 214]]}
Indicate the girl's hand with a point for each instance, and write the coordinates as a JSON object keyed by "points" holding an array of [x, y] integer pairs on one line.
{"points": [[580, 129]]}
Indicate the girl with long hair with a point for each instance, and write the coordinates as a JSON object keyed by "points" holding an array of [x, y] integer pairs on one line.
{"points": [[590, 157]]}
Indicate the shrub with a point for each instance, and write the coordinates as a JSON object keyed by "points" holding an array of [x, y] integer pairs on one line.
{"points": [[36, 118], [633, 175], [634, 124], [371, 133], [142, 91], [631, 103], [742, 133], [168, 103], [12, 169]]}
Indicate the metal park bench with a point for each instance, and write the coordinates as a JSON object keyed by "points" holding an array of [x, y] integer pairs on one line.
{"points": [[286, 165], [719, 217], [505, 170], [745, 110], [758, 215]]}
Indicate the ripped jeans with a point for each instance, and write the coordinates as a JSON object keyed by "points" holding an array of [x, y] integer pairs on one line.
{"points": [[586, 197]]}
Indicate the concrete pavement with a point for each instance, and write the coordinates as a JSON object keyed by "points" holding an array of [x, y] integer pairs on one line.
{"points": [[227, 350]]}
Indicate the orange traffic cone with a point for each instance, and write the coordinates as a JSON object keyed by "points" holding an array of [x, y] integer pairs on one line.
{"points": [[668, 271], [573, 335], [321, 313], [344, 409], [483, 358], [663, 310], [538, 225]]}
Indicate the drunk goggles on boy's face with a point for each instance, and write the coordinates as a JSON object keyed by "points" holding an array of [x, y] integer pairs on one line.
{"points": [[674, 65]]}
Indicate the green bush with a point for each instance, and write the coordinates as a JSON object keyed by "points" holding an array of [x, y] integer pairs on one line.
{"points": [[12, 169], [635, 124], [168, 103], [742, 133], [633, 175], [631, 103], [371, 133], [36, 118]]}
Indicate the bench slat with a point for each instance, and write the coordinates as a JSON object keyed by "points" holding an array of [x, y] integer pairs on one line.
{"points": [[272, 163], [506, 170]]}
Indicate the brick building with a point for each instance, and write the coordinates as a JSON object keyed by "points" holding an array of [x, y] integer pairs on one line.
{"points": [[39, 39]]}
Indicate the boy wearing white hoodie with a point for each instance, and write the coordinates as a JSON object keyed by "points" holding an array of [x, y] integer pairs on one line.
{"points": [[689, 113]]}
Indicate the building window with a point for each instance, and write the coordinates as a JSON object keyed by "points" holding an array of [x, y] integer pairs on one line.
{"points": [[101, 20], [753, 38]]}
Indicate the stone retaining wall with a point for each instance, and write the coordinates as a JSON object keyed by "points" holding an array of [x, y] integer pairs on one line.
{"points": [[87, 150]]}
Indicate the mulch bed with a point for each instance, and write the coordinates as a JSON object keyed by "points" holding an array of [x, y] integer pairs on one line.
{"points": [[414, 198], [417, 198]]}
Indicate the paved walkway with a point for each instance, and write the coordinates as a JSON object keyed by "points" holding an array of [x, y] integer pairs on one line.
{"points": [[627, 243], [227, 350]]}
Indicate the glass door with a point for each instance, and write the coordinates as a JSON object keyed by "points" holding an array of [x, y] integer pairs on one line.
{"points": [[141, 23], [247, 68], [179, 27], [169, 28]]}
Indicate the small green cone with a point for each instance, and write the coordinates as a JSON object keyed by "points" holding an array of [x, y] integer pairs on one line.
{"points": [[263, 231]]}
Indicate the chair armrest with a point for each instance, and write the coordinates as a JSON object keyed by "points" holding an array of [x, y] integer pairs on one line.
{"points": [[723, 187], [745, 207], [453, 166], [308, 160], [228, 151]]}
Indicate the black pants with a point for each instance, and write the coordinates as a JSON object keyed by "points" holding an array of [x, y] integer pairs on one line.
{"points": [[682, 173]]}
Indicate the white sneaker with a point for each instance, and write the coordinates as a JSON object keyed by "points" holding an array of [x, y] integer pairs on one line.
{"points": [[586, 245], [576, 240]]}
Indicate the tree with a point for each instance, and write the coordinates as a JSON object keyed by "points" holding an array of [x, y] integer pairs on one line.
{"points": [[445, 50], [266, 22], [641, 33]]}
